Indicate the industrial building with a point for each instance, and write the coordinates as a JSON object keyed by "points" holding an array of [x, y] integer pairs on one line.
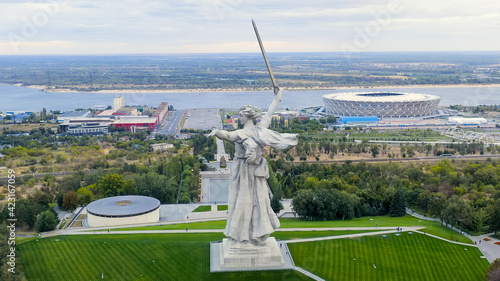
{"points": [[123, 210], [64, 127], [88, 129], [467, 120], [142, 122], [359, 120], [382, 105], [161, 111], [71, 115]]}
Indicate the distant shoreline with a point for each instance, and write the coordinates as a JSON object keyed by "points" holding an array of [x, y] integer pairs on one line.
{"points": [[132, 91]]}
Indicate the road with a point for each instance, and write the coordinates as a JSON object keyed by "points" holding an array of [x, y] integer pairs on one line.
{"points": [[171, 124], [416, 159], [198, 119]]}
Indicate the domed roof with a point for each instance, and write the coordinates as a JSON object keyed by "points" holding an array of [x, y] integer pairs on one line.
{"points": [[123, 206]]}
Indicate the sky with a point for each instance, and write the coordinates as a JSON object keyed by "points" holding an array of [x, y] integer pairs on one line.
{"points": [[31, 27]]}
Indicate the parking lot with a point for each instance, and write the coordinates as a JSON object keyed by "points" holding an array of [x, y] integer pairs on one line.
{"points": [[202, 119]]}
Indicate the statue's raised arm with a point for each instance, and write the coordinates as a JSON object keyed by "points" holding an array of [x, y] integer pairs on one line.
{"points": [[266, 119]]}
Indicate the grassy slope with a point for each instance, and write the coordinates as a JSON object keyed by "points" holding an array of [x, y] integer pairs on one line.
{"points": [[431, 227], [221, 207], [130, 257], [186, 257], [407, 257], [204, 208], [291, 235]]}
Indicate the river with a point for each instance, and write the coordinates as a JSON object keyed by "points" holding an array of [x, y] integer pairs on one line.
{"points": [[14, 98]]}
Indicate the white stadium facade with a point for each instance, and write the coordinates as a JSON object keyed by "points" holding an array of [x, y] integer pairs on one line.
{"points": [[123, 210], [380, 104]]}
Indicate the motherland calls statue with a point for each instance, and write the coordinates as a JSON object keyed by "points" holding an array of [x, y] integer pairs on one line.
{"points": [[250, 217]]}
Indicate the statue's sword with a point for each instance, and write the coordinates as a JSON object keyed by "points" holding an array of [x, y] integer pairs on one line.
{"points": [[275, 85]]}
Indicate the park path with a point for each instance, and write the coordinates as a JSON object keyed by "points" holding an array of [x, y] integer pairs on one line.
{"points": [[392, 230], [491, 251], [101, 231], [308, 274], [447, 240]]}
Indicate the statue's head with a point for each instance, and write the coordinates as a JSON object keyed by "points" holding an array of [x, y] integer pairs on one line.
{"points": [[250, 112]]}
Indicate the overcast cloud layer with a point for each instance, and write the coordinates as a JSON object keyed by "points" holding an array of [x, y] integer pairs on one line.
{"points": [[208, 26]]}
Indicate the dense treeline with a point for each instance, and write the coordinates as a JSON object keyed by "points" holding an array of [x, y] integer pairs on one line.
{"points": [[245, 71], [475, 109], [463, 194], [171, 179]]}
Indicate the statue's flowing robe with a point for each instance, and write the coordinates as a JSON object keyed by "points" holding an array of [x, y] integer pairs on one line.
{"points": [[250, 215]]}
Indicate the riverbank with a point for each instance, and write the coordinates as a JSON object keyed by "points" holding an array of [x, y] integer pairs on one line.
{"points": [[165, 91]]}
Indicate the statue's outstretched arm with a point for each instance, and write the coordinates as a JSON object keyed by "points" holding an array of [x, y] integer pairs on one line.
{"points": [[266, 119], [223, 134]]}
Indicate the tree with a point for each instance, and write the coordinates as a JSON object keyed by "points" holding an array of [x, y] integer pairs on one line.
{"points": [[70, 200], [114, 185], [303, 204], [398, 204], [46, 221], [494, 271], [375, 150], [328, 200], [480, 216], [347, 203], [85, 196], [43, 114], [424, 200], [437, 203], [26, 212], [276, 205], [157, 186], [457, 211], [495, 217]]}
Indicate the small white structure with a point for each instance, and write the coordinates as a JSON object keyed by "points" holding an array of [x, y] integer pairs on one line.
{"points": [[467, 121], [123, 210], [161, 146]]}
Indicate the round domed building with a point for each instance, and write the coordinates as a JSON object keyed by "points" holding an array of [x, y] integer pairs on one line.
{"points": [[380, 104], [123, 210]]}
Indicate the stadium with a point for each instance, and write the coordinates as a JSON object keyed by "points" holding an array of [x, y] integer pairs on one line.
{"points": [[122, 210], [382, 105]]}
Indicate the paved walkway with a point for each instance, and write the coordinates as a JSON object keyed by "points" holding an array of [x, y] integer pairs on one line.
{"points": [[487, 247], [308, 274], [491, 251], [419, 216], [176, 212], [447, 240], [98, 231], [392, 230]]}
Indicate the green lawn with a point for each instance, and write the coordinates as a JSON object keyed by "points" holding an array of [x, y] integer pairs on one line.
{"points": [[204, 208], [430, 227], [186, 257], [221, 207], [131, 257], [407, 257], [291, 235]]}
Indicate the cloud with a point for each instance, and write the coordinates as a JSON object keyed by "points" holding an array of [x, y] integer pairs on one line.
{"points": [[99, 26]]}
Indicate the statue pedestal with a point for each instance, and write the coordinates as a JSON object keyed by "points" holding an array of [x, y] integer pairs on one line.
{"points": [[234, 255]]}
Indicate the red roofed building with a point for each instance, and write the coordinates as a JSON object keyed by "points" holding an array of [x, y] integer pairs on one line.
{"points": [[141, 122]]}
